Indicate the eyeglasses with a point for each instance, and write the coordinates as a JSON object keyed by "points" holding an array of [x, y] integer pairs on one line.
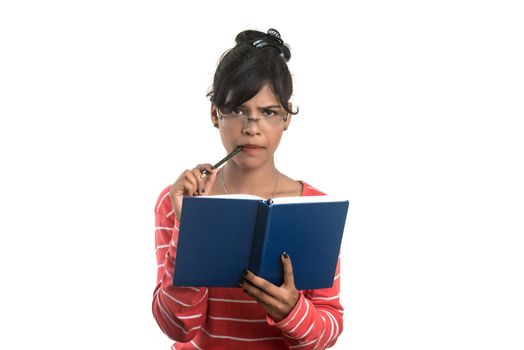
{"points": [[270, 117]]}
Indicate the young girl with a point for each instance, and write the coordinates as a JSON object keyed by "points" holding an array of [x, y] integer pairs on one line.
{"points": [[250, 107]]}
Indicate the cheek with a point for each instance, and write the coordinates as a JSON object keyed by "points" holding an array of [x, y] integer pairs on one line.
{"points": [[275, 140], [228, 136]]}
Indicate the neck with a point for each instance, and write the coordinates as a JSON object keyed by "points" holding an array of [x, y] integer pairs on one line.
{"points": [[259, 182]]}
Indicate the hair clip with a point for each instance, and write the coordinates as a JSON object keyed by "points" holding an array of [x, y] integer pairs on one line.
{"points": [[272, 39], [275, 35]]}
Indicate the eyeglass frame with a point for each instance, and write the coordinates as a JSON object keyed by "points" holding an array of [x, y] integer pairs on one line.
{"points": [[247, 118]]}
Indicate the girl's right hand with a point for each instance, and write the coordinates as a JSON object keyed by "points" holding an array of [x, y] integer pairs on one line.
{"points": [[191, 183]]}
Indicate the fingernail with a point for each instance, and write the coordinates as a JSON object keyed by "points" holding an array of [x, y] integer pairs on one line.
{"points": [[244, 273], [244, 290], [284, 254]]}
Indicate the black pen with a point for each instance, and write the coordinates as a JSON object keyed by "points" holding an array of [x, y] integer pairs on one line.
{"points": [[205, 173], [226, 158]]}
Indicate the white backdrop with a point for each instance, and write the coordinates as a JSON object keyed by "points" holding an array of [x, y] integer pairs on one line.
{"points": [[410, 109]]}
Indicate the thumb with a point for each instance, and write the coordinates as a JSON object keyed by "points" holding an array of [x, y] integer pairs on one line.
{"points": [[289, 279]]}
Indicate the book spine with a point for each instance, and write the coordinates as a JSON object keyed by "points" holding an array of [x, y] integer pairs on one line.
{"points": [[260, 236]]}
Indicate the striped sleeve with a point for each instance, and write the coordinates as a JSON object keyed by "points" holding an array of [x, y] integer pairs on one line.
{"points": [[316, 321], [179, 311]]}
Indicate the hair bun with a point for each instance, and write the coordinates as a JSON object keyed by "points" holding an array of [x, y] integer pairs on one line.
{"points": [[248, 36], [261, 40]]}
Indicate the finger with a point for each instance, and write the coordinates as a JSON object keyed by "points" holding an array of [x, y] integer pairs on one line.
{"points": [[289, 279], [182, 186], [197, 174], [178, 196], [260, 295], [193, 183], [190, 189], [207, 172], [276, 308], [210, 180], [205, 168], [262, 284]]}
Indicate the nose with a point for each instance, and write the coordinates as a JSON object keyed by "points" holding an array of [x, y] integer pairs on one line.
{"points": [[252, 128]]}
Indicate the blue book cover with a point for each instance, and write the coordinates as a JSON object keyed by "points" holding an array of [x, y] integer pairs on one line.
{"points": [[220, 236]]}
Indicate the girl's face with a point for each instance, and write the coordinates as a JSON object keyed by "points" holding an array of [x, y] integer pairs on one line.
{"points": [[260, 137]]}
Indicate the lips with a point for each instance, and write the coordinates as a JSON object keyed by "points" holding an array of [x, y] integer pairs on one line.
{"points": [[249, 146]]}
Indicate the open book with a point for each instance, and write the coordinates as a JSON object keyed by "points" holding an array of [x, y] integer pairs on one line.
{"points": [[220, 236]]}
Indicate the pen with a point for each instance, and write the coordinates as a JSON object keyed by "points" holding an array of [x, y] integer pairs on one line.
{"points": [[205, 173], [229, 156]]}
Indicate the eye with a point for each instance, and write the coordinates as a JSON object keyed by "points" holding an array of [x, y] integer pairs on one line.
{"points": [[268, 113], [237, 112]]}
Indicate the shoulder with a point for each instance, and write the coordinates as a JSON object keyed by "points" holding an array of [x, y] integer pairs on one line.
{"points": [[291, 187], [308, 190], [163, 200]]}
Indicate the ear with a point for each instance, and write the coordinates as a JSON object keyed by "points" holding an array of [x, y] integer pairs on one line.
{"points": [[288, 120], [214, 115]]}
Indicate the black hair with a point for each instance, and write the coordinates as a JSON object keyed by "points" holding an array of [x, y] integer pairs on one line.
{"points": [[257, 59]]}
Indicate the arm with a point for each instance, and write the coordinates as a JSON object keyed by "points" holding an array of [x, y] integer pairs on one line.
{"points": [[179, 311]]}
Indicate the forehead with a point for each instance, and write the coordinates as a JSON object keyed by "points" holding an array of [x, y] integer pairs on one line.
{"points": [[264, 97]]}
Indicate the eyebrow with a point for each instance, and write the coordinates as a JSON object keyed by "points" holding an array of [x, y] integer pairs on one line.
{"points": [[265, 107]]}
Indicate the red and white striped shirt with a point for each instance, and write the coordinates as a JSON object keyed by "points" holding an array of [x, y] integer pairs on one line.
{"points": [[227, 318]]}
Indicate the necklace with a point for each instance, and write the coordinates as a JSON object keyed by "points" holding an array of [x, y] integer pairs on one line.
{"points": [[225, 189]]}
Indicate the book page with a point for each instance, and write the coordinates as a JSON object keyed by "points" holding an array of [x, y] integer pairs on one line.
{"points": [[280, 200], [307, 199], [234, 196]]}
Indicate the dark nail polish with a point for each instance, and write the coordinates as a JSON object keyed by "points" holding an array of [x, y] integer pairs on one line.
{"points": [[244, 290], [284, 254], [244, 273]]}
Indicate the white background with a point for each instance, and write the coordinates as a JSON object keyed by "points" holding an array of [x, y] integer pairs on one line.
{"points": [[411, 109]]}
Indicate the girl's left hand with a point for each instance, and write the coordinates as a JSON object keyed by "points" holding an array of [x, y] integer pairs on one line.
{"points": [[277, 301]]}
